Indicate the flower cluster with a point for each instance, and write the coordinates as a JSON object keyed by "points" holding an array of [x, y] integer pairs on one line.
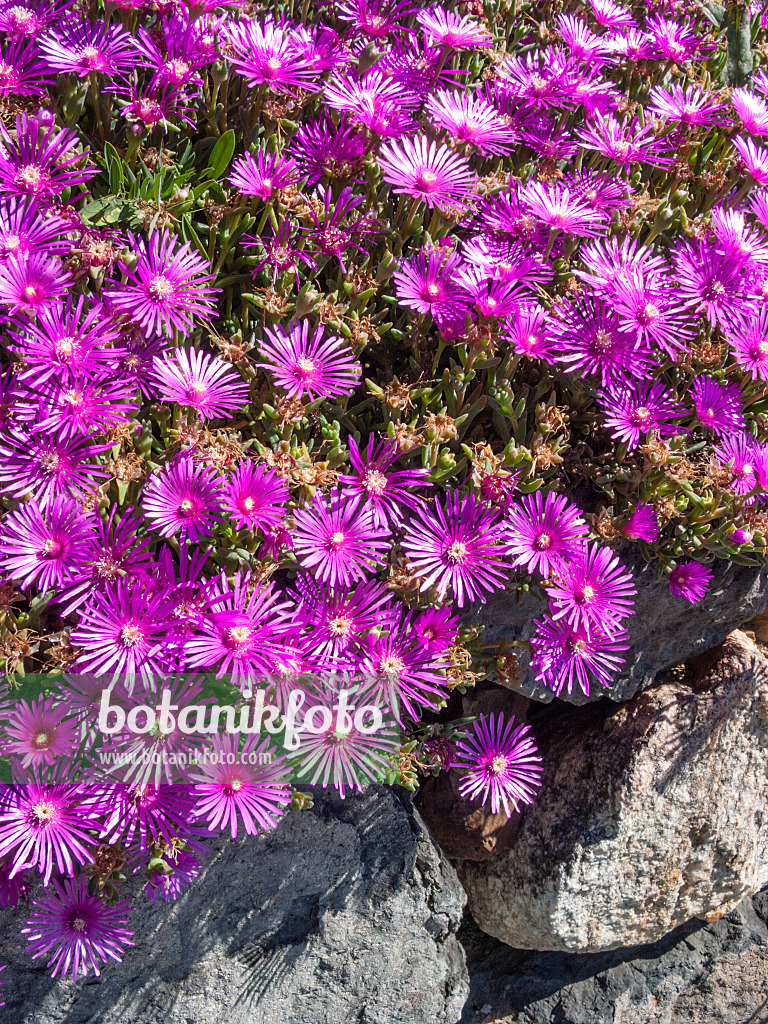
{"points": [[321, 327]]}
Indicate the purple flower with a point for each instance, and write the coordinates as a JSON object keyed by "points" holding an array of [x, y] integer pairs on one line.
{"points": [[627, 142], [561, 209], [434, 174], [469, 118], [36, 162], [183, 497], [544, 533], [280, 251], [111, 551], [426, 283], [384, 494], [167, 287], [502, 764], [528, 332], [44, 825], [80, 406], [643, 524], [690, 581], [337, 539], [254, 497], [41, 731], [632, 411], [66, 340], [82, 47], [563, 654], [749, 338], [330, 234], [243, 634], [44, 545], [323, 148], [263, 175], [338, 618], [711, 281], [44, 467], [457, 546], [316, 366], [593, 591], [755, 159], [741, 454], [718, 406], [22, 72], [241, 784], [689, 105], [121, 630], [457, 31], [79, 930], [592, 339], [197, 379], [269, 54]]}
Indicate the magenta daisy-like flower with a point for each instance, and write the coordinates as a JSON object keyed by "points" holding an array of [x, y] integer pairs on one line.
{"points": [[121, 630], [544, 533], [563, 654], [627, 142], [112, 550], [185, 867], [183, 497], [82, 47], [384, 494], [146, 813], [337, 539], [80, 931], [468, 117], [243, 634], [689, 105], [749, 339], [22, 72], [81, 406], [41, 731], [43, 826], [45, 546], [44, 467], [711, 281], [167, 287], [313, 365], [343, 755], [690, 581], [201, 381], [457, 546], [427, 284], [12, 887], [643, 524], [254, 497], [263, 174], [248, 785], [718, 406], [65, 340], [593, 590], [529, 333], [424, 170], [502, 764], [591, 339], [458, 31], [36, 160], [755, 159], [741, 454], [561, 209], [337, 618], [631, 411], [269, 53]]}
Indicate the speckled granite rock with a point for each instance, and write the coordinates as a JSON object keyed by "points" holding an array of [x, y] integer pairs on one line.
{"points": [[346, 913], [664, 631], [698, 974], [649, 814]]}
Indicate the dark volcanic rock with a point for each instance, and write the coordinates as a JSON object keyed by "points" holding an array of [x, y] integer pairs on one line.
{"points": [[345, 913], [698, 974], [665, 630]]}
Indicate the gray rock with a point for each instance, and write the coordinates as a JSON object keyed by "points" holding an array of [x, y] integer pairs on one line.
{"points": [[664, 631], [649, 813], [698, 974], [345, 913]]}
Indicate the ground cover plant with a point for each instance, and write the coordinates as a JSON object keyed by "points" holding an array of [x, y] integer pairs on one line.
{"points": [[321, 323]]}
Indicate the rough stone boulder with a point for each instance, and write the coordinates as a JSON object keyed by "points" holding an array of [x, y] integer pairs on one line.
{"points": [[649, 814], [664, 631], [347, 912], [698, 974]]}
